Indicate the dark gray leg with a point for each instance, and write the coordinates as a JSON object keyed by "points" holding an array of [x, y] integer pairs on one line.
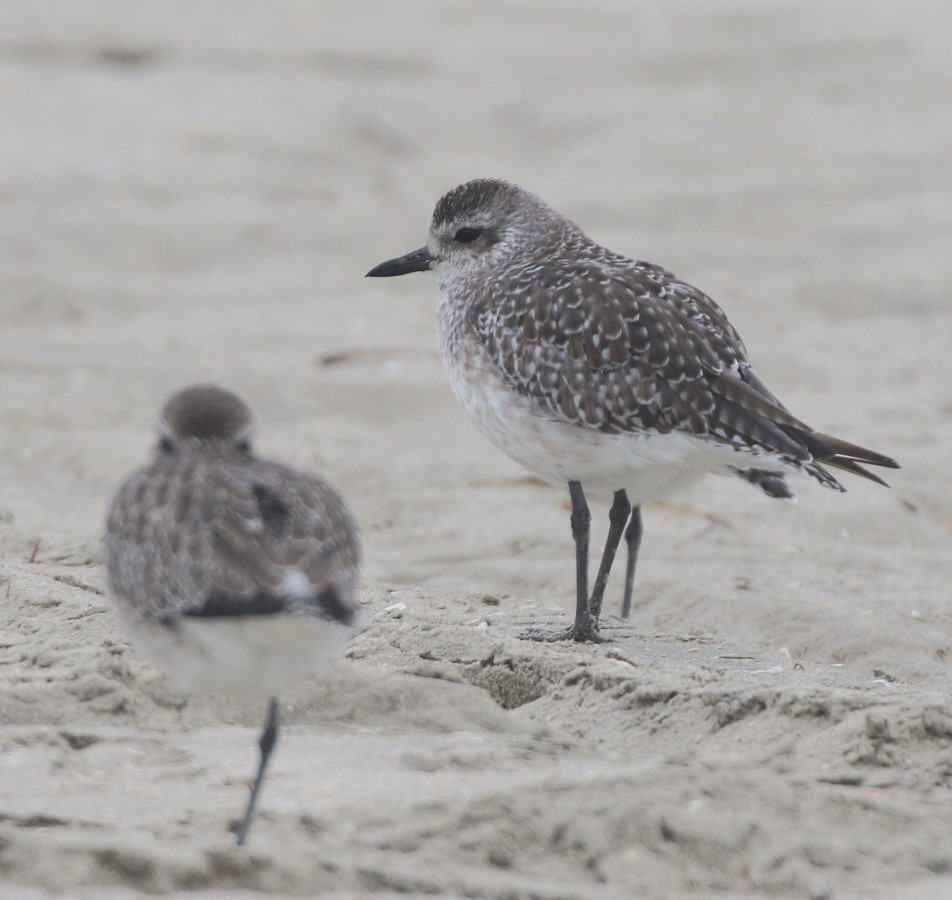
{"points": [[269, 738], [633, 540], [585, 627], [617, 516], [581, 525]]}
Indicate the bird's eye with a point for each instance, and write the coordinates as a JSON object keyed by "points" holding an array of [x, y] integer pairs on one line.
{"points": [[243, 446], [467, 235], [166, 445]]}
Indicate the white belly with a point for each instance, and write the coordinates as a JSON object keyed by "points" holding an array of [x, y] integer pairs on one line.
{"points": [[647, 466], [246, 656]]}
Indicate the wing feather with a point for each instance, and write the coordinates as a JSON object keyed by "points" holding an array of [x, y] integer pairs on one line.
{"points": [[625, 347], [210, 538]]}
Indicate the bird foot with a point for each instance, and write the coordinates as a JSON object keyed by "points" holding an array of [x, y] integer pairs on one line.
{"points": [[573, 633]]}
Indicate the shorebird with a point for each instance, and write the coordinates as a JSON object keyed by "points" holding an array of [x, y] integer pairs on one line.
{"points": [[229, 573], [601, 372]]}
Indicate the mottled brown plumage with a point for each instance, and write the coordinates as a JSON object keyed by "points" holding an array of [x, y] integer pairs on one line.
{"points": [[593, 369], [230, 573], [206, 519], [601, 341]]}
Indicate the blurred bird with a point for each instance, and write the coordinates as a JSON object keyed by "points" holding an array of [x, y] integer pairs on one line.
{"points": [[230, 573]]}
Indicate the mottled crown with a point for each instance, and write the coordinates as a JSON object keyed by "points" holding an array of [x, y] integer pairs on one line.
{"points": [[476, 198], [205, 412]]}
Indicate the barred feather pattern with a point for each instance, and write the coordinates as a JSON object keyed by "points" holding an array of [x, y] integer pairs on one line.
{"points": [[594, 340], [198, 525], [207, 521]]}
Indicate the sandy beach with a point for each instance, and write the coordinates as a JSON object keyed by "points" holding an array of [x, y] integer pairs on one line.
{"points": [[194, 193]]}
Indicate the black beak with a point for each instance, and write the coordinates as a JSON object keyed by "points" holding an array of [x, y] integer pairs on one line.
{"points": [[417, 261]]}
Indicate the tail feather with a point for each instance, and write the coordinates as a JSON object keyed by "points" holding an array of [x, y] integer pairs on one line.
{"points": [[840, 454], [819, 474], [745, 409], [845, 450], [848, 465]]}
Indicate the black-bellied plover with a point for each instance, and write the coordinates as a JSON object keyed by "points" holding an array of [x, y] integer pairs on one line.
{"points": [[229, 573], [595, 370]]}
